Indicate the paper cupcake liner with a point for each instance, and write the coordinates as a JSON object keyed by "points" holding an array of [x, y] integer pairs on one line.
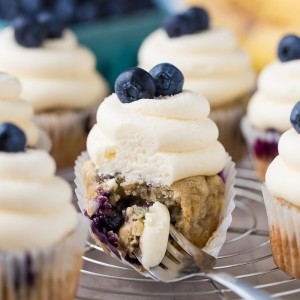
{"points": [[217, 239], [284, 226], [68, 132], [264, 156], [44, 274], [228, 119]]}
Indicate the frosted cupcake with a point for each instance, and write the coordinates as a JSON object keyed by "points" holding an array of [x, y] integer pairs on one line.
{"points": [[19, 112], [282, 199], [41, 234], [213, 65], [155, 160], [59, 79], [269, 109]]}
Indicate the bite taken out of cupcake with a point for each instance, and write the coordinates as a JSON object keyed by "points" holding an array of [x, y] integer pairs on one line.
{"points": [[155, 159], [58, 78], [213, 65], [41, 235], [268, 112], [282, 199]]}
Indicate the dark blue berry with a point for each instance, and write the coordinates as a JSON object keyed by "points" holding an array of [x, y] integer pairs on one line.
{"points": [[9, 9], [113, 223], [30, 7], [12, 138], [168, 79], [295, 117], [86, 11], [65, 10], [28, 33], [52, 24], [193, 20], [134, 84], [199, 18], [289, 48]]}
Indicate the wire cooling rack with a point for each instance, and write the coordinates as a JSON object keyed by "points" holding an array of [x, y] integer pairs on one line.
{"points": [[246, 255]]}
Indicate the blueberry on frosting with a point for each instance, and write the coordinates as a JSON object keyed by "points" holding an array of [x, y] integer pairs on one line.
{"points": [[289, 48], [12, 138], [295, 117], [193, 20], [168, 79], [134, 84]]}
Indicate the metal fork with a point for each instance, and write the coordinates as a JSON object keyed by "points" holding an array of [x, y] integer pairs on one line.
{"points": [[191, 261]]}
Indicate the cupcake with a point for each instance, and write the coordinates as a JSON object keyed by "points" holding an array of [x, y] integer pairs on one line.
{"points": [[281, 195], [213, 65], [58, 78], [41, 234], [154, 159], [14, 110], [269, 109]]}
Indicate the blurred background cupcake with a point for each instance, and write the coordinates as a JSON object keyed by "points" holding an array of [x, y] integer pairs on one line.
{"points": [[269, 109], [19, 112], [282, 199], [41, 235], [213, 64]]}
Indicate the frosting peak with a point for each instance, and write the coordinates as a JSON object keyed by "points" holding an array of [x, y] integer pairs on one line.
{"points": [[158, 140], [211, 61], [14, 110], [35, 205], [59, 74]]}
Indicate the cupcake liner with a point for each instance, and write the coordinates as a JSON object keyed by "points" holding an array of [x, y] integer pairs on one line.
{"points": [[68, 132], [262, 146], [44, 274], [228, 119], [216, 241], [284, 226]]}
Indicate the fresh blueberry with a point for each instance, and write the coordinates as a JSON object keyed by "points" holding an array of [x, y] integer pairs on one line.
{"points": [[28, 33], [295, 117], [30, 7], [168, 79], [65, 10], [177, 25], [52, 24], [289, 48], [199, 18], [12, 138], [134, 84], [9, 9]]}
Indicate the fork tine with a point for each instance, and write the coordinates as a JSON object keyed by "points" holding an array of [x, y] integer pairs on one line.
{"points": [[175, 252]]}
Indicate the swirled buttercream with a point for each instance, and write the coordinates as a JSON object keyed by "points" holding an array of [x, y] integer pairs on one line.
{"points": [[277, 93], [283, 174], [158, 140], [59, 74], [211, 61], [35, 205], [15, 110]]}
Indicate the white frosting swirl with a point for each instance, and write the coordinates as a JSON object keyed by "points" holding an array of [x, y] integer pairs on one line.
{"points": [[35, 205], [159, 140], [59, 74], [277, 93], [14, 110], [211, 61], [283, 174]]}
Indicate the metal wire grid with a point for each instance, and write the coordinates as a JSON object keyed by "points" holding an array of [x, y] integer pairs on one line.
{"points": [[246, 255]]}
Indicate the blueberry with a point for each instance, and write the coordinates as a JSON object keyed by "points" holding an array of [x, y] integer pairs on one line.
{"points": [[30, 7], [168, 79], [28, 33], [65, 10], [199, 18], [134, 84], [12, 138], [289, 48], [295, 117], [9, 9], [193, 20], [52, 24], [177, 25], [113, 223]]}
